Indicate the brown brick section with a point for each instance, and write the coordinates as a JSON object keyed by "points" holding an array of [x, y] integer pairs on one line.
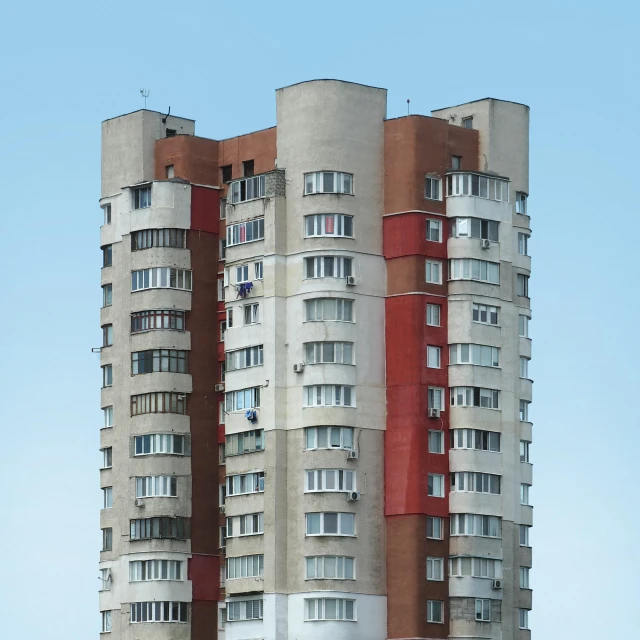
{"points": [[193, 159], [407, 587]]}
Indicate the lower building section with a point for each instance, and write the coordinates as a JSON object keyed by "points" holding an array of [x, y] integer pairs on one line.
{"points": [[314, 615]]}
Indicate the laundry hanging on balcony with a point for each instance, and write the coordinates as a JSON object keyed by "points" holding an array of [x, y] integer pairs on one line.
{"points": [[243, 289]]}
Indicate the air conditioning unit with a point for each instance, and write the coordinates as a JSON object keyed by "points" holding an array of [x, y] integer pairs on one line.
{"points": [[139, 502], [220, 386], [298, 367], [222, 508], [351, 281], [352, 455], [496, 584], [434, 413], [486, 244], [353, 496]]}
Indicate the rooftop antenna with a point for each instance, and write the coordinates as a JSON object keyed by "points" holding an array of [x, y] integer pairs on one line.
{"points": [[408, 103], [145, 94]]}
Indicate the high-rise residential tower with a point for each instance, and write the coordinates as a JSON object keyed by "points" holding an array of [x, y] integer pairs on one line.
{"points": [[315, 374]]}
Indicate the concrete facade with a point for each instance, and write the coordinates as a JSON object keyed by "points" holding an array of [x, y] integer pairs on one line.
{"points": [[254, 293]]}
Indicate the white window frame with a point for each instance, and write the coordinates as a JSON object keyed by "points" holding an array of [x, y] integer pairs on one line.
{"points": [[525, 494], [435, 611], [319, 310], [436, 523], [432, 188], [317, 480], [523, 244], [475, 567], [342, 520], [258, 270], [521, 203], [475, 270], [251, 566], [253, 231], [465, 397], [105, 621], [329, 395], [468, 439], [341, 267], [244, 358], [316, 225], [434, 230], [435, 569], [488, 310], [316, 352], [242, 273], [477, 185], [524, 537], [242, 484], [252, 523], [433, 314], [433, 271], [252, 440], [107, 457], [523, 618], [141, 197], [315, 609], [475, 482], [320, 564], [161, 278], [483, 609], [475, 524], [524, 410], [156, 487], [480, 355], [342, 183], [435, 398], [155, 570], [523, 326], [245, 610], [250, 399], [107, 497], [436, 441], [434, 357], [105, 579], [435, 485], [107, 413], [255, 188], [522, 284], [525, 578], [160, 443], [525, 451], [475, 228], [524, 367], [336, 435]]}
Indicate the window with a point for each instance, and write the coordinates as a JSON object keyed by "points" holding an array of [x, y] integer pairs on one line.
{"points": [[161, 278], [317, 480], [321, 352], [329, 438], [222, 249], [245, 567], [223, 329], [473, 482], [433, 271], [157, 319], [524, 578], [483, 609], [251, 313], [107, 457], [330, 567], [523, 244], [105, 580], [523, 618], [329, 224], [242, 273], [435, 398], [475, 397], [222, 285], [107, 539], [456, 162], [474, 354], [226, 173], [329, 609], [435, 569], [149, 238], [470, 524], [331, 309], [107, 255], [473, 184], [158, 402], [523, 326], [434, 230], [521, 203], [157, 486], [244, 232], [107, 295], [524, 535], [251, 188], [435, 611], [524, 494], [470, 269], [142, 198], [329, 395], [107, 335], [432, 189], [244, 610], [327, 267], [106, 621], [436, 441], [107, 375], [522, 285], [107, 497], [524, 410], [159, 611], [108, 417], [247, 168], [170, 133], [153, 443], [330, 524], [475, 567], [147, 570], [244, 358], [242, 399], [435, 485], [328, 182], [475, 439], [434, 528], [106, 210], [163, 527], [249, 524], [159, 360], [257, 270], [485, 314], [524, 367], [244, 442], [433, 315], [434, 357], [222, 454], [245, 483], [223, 537], [474, 228], [525, 451], [169, 171], [467, 123]]}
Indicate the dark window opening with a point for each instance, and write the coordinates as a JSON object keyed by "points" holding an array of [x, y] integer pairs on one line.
{"points": [[226, 173], [247, 168], [467, 123], [456, 162], [171, 133]]}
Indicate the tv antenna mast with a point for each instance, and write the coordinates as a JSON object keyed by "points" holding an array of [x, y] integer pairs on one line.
{"points": [[145, 94]]}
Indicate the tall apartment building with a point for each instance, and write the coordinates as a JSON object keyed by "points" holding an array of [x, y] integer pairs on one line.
{"points": [[315, 374]]}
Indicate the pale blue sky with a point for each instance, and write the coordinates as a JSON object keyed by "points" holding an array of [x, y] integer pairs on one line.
{"points": [[66, 66]]}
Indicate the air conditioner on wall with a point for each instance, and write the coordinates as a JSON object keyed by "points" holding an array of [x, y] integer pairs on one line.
{"points": [[222, 509], [220, 387], [486, 244], [139, 502], [496, 584], [298, 368], [351, 281], [352, 455], [434, 413], [353, 496]]}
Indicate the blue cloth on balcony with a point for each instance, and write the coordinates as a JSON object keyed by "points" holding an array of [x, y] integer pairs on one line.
{"points": [[243, 289]]}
